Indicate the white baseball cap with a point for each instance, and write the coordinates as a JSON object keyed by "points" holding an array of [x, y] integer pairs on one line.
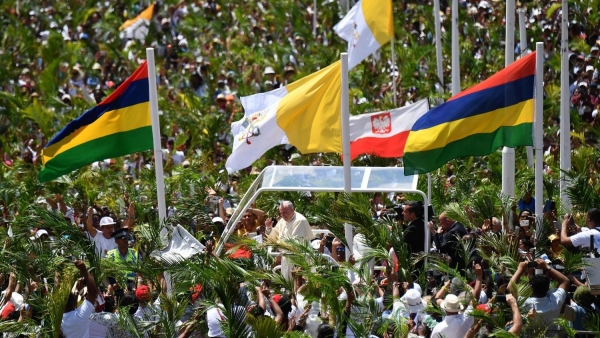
{"points": [[106, 221]]}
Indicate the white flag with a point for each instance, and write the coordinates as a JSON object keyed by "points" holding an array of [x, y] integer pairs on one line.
{"points": [[367, 26]]}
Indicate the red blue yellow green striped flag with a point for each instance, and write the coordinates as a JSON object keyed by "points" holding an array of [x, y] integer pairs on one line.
{"points": [[496, 112], [118, 126]]}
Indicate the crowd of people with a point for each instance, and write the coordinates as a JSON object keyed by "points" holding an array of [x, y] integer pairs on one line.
{"points": [[79, 254]]}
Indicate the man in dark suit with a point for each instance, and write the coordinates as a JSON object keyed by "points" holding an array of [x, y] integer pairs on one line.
{"points": [[414, 234], [446, 240]]}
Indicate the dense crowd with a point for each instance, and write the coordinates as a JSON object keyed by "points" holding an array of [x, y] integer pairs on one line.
{"points": [[495, 267]]}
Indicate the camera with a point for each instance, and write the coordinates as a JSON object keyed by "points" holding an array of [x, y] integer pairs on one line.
{"points": [[571, 220], [525, 223], [501, 298], [532, 264]]}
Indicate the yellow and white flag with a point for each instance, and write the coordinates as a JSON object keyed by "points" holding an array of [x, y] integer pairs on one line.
{"points": [[367, 26], [307, 116], [137, 28]]}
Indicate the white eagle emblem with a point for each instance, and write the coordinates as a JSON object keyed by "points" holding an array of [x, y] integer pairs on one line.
{"points": [[381, 124]]}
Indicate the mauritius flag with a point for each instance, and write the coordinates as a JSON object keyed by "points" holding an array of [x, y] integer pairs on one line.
{"points": [[496, 112], [118, 126]]}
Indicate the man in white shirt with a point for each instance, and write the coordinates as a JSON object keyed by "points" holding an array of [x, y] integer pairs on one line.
{"points": [[456, 324], [582, 239], [291, 225], [75, 321], [214, 317], [546, 303], [102, 240]]}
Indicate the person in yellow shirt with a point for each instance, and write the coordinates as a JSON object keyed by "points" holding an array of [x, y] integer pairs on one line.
{"points": [[123, 254], [249, 223]]}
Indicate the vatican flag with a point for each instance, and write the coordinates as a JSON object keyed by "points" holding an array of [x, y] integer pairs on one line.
{"points": [[305, 114], [367, 26]]}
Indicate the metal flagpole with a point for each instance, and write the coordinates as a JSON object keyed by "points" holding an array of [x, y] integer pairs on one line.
{"points": [[538, 130], [346, 125], [394, 76], [438, 44], [346, 149], [565, 118], [523, 47], [158, 160], [158, 155], [315, 18], [455, 50], [508, 154]]}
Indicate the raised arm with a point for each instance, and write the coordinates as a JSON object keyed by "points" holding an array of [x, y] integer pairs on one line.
{"points": [[562, 280], [275, 307], [564, 232], [439, 296], [92, 290], [12, 284], [517, 276], [517, 319], [61, 203], [89, 223], [131, 215], [260, 297], [222, 212], [478, 282]]}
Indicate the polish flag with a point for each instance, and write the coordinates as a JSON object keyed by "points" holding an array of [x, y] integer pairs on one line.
{"points": [[384, 133]]}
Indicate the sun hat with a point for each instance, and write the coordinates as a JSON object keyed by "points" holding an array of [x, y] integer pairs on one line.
{"points": [[553, 237], [106, 221], [217, 220], [451, 304], [269, 70], [38, 234], [413, 301], [229, 211]]}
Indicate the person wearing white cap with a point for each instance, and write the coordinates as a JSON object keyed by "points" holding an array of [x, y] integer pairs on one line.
{"points": [[269, 73], [455, 323], [410, 306], [102, 240]]}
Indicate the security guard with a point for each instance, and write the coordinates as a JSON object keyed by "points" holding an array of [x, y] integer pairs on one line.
{"points": [[123, 254]]}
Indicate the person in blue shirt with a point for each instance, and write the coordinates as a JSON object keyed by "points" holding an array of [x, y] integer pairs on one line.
{"points": [[527, 203]]}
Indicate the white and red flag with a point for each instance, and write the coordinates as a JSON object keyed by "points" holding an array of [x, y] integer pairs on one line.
{"points": [[384, 133]]}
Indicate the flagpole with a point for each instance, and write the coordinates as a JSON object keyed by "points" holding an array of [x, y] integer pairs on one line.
{"points": [[523, 48], [538, 130], [346, 150], [394, 76], [455, 50], [315, 18], [565, 118], [508, 154], [346, 125], [438, 44], [158, 156]]}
